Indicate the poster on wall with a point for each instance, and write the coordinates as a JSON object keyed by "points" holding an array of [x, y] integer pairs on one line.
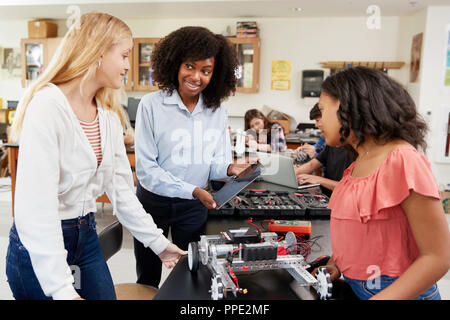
{"points": [[447, 62], [281, 75], [416, 52]]}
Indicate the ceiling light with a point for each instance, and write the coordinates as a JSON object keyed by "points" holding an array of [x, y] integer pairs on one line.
{"points": [[296, 9]]}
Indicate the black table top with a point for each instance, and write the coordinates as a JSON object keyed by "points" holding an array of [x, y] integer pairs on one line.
{"points": [[181, 284]]}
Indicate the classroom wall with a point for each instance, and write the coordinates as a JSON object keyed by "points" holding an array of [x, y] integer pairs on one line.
{"points": [[431, 98], [11, 32], [434, 97], [306, 42]]}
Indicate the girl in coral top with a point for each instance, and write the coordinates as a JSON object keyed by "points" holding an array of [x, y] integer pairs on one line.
{"points": [[389, 235]]}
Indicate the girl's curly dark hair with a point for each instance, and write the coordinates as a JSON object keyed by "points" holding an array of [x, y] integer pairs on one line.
{"points": [[193, 44], [372, 103]]}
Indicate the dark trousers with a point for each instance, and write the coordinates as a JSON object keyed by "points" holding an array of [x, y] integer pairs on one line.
{"points": [[186, 220]]}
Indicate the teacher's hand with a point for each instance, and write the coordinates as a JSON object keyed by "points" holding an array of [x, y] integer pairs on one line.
{"points": [[236, 168], [205, 197]]}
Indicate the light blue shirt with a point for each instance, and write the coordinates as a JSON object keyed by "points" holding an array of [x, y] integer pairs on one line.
{"points": [[177, 151]]}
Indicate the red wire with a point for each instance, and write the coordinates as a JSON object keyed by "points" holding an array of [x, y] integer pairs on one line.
{"points": [[304, 249], [250, 221], [236, 250], [233, 275]]}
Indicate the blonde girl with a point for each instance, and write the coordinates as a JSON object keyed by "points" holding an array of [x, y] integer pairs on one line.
{"points": [[69, 126]]}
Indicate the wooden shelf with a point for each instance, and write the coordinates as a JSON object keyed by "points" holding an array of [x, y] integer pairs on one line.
{"points": [[369, 64], [47, 46], [248, 52]]}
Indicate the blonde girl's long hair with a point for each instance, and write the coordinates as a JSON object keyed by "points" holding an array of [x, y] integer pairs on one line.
{"points": [[77, 56]]}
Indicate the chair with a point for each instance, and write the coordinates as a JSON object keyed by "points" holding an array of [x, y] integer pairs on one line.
{"points": [[110, 240]]}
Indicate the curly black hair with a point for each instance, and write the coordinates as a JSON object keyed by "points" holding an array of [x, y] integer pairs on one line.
{"points": [[193, 44], [374, 104]]}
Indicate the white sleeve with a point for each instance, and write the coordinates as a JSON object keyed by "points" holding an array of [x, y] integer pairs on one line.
{"points": [[36, 201], [126, 206]]}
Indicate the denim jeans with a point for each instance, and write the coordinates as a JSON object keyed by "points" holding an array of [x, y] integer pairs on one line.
{"points": [[366, 289], [84, 256]]}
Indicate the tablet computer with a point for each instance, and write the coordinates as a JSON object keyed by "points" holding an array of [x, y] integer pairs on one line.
{"points": [[237, 184]]}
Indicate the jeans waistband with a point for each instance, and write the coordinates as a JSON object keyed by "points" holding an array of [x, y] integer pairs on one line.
{"points": [[88, 219]]}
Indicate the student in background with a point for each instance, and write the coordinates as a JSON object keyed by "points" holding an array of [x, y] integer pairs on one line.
{"points": [[182, 137], [389, 235], [69, 125], [333, 160], [263, 134], [313, 150]]}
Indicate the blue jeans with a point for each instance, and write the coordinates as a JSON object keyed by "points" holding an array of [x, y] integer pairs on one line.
{"points": [[84, 256], [366, 289]]}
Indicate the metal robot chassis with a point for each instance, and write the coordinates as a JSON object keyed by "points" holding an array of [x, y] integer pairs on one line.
{"points": [[237, 250]]}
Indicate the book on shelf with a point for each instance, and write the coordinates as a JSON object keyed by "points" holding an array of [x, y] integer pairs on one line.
{"points": [[246, 35], [246, 29], [246, 24]]}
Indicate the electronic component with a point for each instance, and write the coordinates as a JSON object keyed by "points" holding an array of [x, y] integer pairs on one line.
{"points": [[316, 203], [296, 226], [243, 235], [224, 256], [268, 203], [308, 203], [259, 251]]}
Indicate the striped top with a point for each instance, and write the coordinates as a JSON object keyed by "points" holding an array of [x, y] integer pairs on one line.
{"points": [[92, 131]]}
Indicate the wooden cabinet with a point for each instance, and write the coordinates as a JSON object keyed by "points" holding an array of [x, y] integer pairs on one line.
{"points": [[141, 66], [36, 54], [248, 51]]}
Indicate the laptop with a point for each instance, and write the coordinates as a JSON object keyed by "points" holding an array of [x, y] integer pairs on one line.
{"points": [[280, 170]]}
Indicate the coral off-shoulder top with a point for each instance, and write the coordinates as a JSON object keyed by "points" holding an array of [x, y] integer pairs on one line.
{"points": [[370, 232]]}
